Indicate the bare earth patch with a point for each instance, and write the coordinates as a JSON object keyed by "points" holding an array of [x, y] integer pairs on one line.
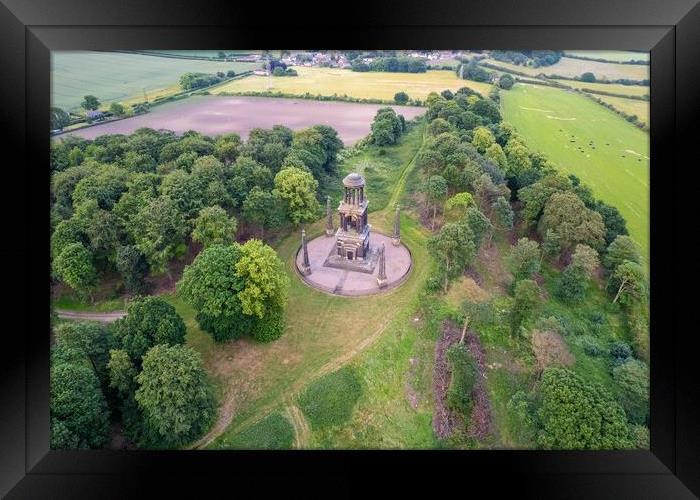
{"points": [[490, 256], [550, 349], [445, 422], [480, 425]]}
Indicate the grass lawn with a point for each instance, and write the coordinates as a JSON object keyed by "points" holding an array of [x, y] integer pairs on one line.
{"points": [[120, 77], [610, 55], [72, 303], [617, 170], [323, 332], [378, 85], [381, 171], [575, 67], [330, 400]]}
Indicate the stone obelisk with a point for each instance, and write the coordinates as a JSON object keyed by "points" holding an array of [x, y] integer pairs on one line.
{"points": [[381, 278], [329, 218], [306, 266], [396, 238]]}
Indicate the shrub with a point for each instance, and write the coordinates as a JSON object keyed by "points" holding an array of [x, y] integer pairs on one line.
{"points": [[590, 346], [273, 432], [463, 370], [572, 284], [620, 352], [331, 399]]}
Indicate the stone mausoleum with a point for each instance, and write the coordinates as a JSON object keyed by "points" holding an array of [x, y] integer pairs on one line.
{"points": [[353, 259], [352, 248]]}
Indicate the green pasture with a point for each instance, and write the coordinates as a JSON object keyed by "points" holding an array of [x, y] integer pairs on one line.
{"points": [[119, 77], [583, 138]]}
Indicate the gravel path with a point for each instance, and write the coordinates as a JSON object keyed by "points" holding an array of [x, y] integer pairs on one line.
{"points": [[105, 317]]}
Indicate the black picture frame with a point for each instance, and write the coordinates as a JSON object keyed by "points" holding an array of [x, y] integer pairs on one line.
{"points": [[28, 31]]}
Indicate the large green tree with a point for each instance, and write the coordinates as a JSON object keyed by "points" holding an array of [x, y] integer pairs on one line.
{"points": [[132, 265], [211, 286], [265, 209], [453, 248], [524, 259], [630, 282], [213, 226], [621, 249], [91, 340], [568, 217], [632, 384], [264, 294], [174, 396], [59, 119], [79, 413], [149, 321], [435, 190], [576, 414], [158, 230], [75, 268], [526, 298], [297, 188]]}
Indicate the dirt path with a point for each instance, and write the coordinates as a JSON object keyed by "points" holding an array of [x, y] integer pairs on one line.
{"points": [[104, 317], [301, 427]]}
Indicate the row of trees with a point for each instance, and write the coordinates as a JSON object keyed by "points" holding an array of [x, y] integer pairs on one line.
{"points": [[392, 65], [192, 81], [477, 169], [130, 204], [534, 58], [387, 127], [136, 372]]}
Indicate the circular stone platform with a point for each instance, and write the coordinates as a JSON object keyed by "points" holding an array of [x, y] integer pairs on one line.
{"points": [[354, 283]]}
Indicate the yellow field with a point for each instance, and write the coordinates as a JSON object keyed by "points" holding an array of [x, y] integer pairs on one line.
{"points": [[152, 95], [636, 90], [575, 67], [629, 106], [610, 55], [378, 85]]}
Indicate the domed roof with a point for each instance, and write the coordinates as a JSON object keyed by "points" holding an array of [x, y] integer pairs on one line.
{"points": [[354, 180]]}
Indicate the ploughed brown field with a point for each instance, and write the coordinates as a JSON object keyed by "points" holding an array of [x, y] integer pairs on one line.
{"points": [[214, 115]]}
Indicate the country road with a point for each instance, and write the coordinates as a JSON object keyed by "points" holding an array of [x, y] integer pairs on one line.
{"points": [[103, 317]]}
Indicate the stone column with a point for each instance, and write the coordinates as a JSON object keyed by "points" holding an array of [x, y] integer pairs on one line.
{"points": [[381, 278], [306, 266], [396, 239], [329, 217]]}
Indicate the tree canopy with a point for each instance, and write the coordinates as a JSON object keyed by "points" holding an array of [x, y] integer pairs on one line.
{"points": [[576, 414], [149, 321], [174, 395]]}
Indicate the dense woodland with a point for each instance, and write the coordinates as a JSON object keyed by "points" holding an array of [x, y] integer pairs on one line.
{"points": [[132, 205]]}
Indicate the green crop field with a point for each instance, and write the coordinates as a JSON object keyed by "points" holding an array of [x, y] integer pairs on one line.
{"points": [[122, 77], [610, 55], [615, 88], [583, 138], [378, 85], [570, 68], [628, 106]]}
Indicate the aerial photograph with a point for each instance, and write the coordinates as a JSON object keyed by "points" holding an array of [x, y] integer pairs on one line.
{"points": [[349, 249]]}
